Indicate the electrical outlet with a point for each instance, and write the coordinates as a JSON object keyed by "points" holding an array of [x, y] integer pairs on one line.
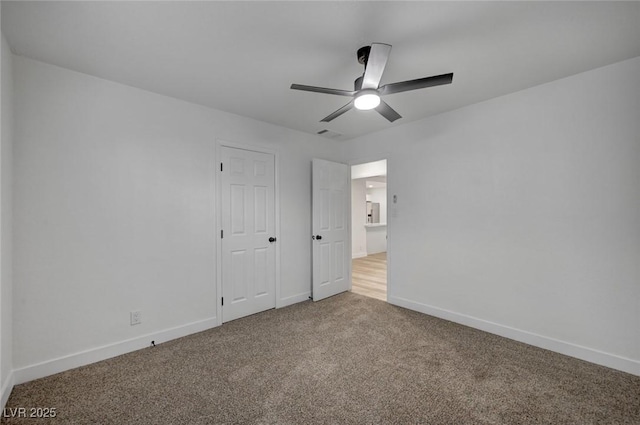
{"points": [[136, 317]]}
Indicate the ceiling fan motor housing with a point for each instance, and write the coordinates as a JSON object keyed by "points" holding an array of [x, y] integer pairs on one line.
{"points": [[363, 55], [363, 59]]}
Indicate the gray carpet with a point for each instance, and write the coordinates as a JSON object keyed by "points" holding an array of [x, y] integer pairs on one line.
{"points": [[347, 359]]}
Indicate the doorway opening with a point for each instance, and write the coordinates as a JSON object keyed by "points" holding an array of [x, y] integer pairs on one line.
{"points": [[369, 229]]}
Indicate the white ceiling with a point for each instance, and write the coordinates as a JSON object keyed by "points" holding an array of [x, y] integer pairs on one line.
{"points": [[376, 182], [241, 57]]}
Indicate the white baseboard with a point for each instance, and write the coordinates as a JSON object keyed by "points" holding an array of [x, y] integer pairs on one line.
{"points": [[294, 299], [358, 255], [584, 353], [50, 367], [7, 387]]}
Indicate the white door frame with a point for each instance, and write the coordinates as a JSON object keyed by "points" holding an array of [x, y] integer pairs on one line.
{"points": [[365, 160], [218, 209]]}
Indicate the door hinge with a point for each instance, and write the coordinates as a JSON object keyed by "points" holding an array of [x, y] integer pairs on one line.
{"points": [[221, 167], [221, 234], [222, 300]]}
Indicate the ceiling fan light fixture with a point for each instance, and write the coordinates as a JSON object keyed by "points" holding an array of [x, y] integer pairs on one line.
{"points": [[366, 100], [366, 88]]}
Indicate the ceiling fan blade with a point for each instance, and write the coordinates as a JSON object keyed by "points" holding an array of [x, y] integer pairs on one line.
{"points": [[420, 83], [322, 90], [337, 113], [387, 111], [378, 57]]}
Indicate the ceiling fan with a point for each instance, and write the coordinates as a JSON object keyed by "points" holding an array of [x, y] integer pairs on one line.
{"points": [[367, 90]]}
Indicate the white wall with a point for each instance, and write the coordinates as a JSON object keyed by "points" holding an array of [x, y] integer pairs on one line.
{"points": [[114, 211], [358, 218], [521, 215], [6, 284], [369, 169]]}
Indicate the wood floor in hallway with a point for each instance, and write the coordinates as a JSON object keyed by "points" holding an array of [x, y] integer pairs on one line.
{"points": [[369, 276]]}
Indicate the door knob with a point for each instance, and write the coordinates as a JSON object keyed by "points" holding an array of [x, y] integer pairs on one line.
{"points": [[318, 237], [272, 239]]}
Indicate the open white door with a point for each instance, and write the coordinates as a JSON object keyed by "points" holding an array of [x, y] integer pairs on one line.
{"points": [[330, 211]]}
